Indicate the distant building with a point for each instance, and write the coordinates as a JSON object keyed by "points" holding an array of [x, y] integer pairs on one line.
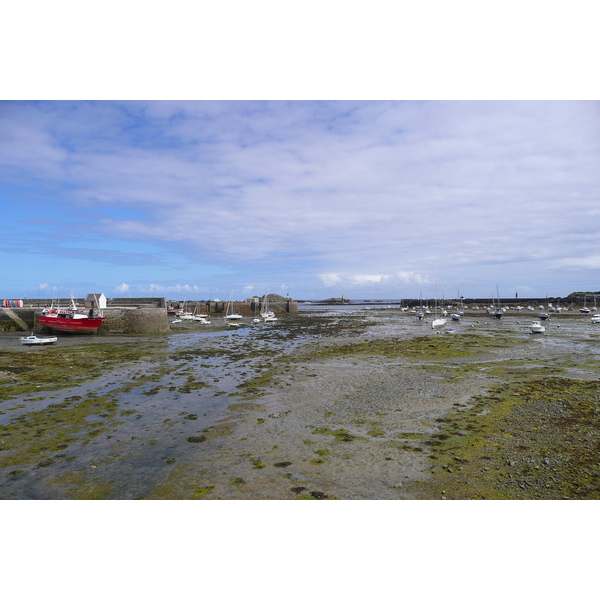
{"points": [[97, 301]]}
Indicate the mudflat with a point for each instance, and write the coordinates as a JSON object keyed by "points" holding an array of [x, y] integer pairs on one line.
{"points": [[347, 404]]}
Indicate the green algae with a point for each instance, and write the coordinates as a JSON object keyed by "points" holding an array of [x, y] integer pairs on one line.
{"points": [[376, 430], [48, 431], [201, 492], [341, 435], [524, 440], [323, 451], [430, 347], [60, 367], [78, 486]]}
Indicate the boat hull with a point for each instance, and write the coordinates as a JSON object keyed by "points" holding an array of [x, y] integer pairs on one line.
{"points": [[537, 327], [33, 340], [86, 325]]}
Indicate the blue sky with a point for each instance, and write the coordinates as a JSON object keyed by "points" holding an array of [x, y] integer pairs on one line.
{"points": [[382, 199]]}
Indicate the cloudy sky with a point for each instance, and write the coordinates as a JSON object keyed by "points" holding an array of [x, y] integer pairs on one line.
{"points": [[228, 184], [383, 199]]}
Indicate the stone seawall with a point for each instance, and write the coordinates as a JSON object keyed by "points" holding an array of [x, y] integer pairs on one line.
{"points": [[118, 320], [219, 307], [135, 320]]}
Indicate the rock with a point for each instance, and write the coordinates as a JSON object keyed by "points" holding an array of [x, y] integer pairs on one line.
{"points": [[318, 495], [195, 439]]}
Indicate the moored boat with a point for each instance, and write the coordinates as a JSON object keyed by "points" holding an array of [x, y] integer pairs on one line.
{"points": [[267, 314], [230, 314], [34, 340], [537, 327], [72, 319]]}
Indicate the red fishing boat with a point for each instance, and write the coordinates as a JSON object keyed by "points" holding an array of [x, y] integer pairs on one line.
{"points": [[71, 319]]}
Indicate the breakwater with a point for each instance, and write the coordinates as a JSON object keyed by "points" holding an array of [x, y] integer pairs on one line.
{"points": [[117, 320], [243, 307], [133, 315], [575, 303]]}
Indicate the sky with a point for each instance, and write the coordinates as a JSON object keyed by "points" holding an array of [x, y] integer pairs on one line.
{"points": [[350, 155], [311, 199]]}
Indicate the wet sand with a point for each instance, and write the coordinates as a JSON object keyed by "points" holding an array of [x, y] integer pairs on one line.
{"points": [[319, 406]]}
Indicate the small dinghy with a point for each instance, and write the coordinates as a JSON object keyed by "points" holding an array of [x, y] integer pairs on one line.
{"points": [[34, 340]]}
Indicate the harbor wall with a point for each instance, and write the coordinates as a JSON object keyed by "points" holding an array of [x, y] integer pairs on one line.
{"points": [[135, 320], [576, 302], [246, 307], [133, 315], [110, 302], [118, 320]]}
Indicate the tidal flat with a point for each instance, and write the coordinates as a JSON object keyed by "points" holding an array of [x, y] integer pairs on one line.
{"points": [[325, 404]]}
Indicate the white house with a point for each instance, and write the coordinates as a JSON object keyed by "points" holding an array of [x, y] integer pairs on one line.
{"points": [[97, 301]]}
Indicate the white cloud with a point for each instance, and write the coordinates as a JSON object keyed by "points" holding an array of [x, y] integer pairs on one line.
{"points": [[330, 279], [367, 279], [171, 289], [43, 286], [591, 262], [123, 288], [373, 196]]}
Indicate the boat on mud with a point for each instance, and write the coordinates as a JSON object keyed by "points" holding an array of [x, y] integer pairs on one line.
{"points": [[71, 319], [537, 327], [230, 314], [34, 340]]}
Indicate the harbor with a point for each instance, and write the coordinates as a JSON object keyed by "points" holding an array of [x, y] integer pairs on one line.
{"points": [[127, 315], [327, 403]]}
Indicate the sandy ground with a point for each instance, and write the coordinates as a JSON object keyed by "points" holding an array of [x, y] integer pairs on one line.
{"points": [[289, 434], [279, 418]]}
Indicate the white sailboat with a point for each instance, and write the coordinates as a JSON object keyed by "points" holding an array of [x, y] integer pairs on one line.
{"points": [[495, 313], [230, 315], [200, 317], [456, 316], [267, 315], [420, 313], [439, 320], [184, 314]]}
